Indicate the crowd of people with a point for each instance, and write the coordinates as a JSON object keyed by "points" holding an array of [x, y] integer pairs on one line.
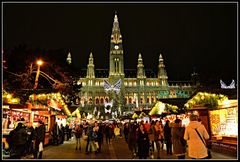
{"points": [[143, 138], [25, 140]]}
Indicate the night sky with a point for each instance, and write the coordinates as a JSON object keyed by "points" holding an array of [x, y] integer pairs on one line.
{"points": [[190, 36]]}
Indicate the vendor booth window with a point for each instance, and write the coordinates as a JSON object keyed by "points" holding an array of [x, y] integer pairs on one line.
{"points": [[224, 122]]}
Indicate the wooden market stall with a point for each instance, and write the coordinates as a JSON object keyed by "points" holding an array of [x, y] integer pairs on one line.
{"points": [[49, 108], [220, 118]]}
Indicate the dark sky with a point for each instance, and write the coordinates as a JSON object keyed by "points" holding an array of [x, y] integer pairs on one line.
{"points": [[188, 35]]}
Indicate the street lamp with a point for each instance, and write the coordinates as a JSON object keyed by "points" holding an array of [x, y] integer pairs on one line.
{"points": [[39, 63]]}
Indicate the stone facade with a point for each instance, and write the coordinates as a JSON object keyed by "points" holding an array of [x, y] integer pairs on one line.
{"points": [[136, 92]]}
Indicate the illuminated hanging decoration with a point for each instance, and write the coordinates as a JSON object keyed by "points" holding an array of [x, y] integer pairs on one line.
{"points": [[108, 106], [134, 116], [160, 108], [9, 99], [116, 88], [206, 99], [224, 86], [53, 100], [142, 115]]}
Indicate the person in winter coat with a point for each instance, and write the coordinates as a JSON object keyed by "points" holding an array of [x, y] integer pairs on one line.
{"points": [[179, 144], [78, 134], [108, 134], [168, 137], [92, 136], [158, 136], [143, 143], [39, 138], [18, 141], [30, 131], [151, 135], [55, 131], [196, 148], [126, 131], [132, 139], [117, 132], [61, 134], [100, 137]]}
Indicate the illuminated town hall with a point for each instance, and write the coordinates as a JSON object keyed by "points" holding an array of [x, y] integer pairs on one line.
{"points": [[140, 91]]}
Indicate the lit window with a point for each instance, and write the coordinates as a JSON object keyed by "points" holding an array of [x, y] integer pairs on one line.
{"points": [[130, 83]]}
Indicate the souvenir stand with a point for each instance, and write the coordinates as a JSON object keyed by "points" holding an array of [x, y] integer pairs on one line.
{"points": [[220, 118]]}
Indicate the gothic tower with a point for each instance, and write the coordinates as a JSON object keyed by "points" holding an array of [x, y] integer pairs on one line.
{"points": [[162, 74], [140, 67], [116, 70], [116, 64]]}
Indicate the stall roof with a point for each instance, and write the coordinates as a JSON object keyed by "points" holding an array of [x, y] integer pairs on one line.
{"points": [[179, 102]]}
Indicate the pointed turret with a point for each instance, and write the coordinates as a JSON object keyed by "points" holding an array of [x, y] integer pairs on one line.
{"points": [[140, 67], [90, 68], [162, 74], [69, 59]]}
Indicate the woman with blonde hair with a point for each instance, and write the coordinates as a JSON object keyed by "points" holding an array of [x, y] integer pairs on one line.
{"points": [[193, 134]]}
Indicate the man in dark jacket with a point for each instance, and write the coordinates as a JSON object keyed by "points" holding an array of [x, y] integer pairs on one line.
{"points": [[55, 134], [30, 131], [39, 138], [18, 142]]}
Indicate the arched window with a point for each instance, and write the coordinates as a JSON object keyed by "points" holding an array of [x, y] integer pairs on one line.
{"points": [[130, 100], [90, 101], [152, 100], [106, 99], [97, 100], [101, 101]]}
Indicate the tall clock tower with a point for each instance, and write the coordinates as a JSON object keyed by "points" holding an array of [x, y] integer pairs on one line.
{"points": [[116, 70], [116, 67]]}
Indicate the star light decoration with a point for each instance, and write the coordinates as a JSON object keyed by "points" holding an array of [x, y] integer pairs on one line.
{"points": [[116, 88], [224, 86]]}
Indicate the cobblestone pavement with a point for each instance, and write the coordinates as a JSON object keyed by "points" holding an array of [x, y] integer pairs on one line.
{"points": [[115, 150]]}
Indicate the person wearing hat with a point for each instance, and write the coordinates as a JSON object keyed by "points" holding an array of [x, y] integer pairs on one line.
{"points": [[39, 139]]}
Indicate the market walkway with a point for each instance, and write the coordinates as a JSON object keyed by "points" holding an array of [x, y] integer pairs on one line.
{"points": [[116, 150]]}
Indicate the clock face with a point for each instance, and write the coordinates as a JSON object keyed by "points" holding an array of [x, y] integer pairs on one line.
{"points": [[116, 46]]}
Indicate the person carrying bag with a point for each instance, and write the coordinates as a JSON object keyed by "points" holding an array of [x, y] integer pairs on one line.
{"points": [[208, 150]]}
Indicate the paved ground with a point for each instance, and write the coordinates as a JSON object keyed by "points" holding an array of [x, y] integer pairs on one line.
{"points": [[116, 150]]}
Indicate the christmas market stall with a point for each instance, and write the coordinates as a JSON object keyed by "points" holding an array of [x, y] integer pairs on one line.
{"points": [[49, 108], [13, 112], [219, 115], [161, 110]]}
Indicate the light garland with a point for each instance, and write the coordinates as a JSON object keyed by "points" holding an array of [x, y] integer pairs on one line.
{"points": [[43, 99], [206, 99], [8, 98]]}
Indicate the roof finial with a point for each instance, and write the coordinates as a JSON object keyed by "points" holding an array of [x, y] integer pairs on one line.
{"points": [[115, 17]]}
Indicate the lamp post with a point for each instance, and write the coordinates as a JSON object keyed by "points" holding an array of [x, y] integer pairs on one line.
{"points": [[39, 63]]}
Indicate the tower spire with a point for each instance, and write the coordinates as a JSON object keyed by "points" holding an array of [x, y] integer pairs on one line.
{"points": [[140, 67], [90, 68], [162, 74], [69, 59]]}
